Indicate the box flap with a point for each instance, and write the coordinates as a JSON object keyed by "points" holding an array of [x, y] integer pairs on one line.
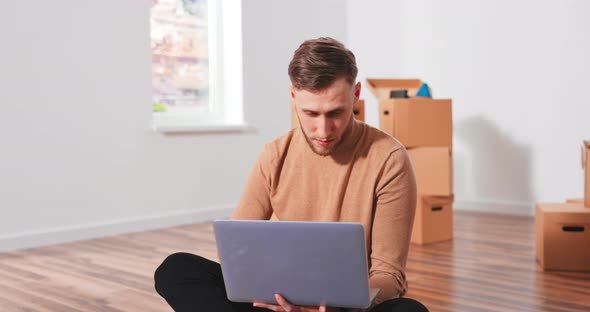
{"points": [[563, 208], [438, 200], [381, 87], [574, 201]]}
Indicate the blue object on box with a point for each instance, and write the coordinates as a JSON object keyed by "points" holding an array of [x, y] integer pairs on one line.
{"points": [[424, 91]]}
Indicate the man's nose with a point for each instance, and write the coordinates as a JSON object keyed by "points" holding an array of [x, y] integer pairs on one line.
{"points": [[323, 127]]}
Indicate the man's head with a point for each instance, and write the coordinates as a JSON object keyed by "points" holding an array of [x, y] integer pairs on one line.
{"points": [[323, 90]]}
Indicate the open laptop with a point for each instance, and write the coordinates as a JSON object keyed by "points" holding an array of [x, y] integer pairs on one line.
{"points": [[308, 263]]}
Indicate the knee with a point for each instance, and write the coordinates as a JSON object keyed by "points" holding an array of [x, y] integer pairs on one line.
{"points": [[402, 304], [414, 305], [169, 272]]}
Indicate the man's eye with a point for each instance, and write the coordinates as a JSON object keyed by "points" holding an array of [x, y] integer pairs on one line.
{"points": [[311, 114], [334, 114]]}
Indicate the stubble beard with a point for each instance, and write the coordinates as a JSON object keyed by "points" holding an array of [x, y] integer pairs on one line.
{"points": [[326, 151]]}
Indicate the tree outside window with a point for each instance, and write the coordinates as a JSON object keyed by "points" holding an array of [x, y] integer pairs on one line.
{"points": [[180, 60]]}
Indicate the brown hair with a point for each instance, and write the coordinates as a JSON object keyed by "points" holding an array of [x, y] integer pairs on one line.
{"points": [[317, 63]]}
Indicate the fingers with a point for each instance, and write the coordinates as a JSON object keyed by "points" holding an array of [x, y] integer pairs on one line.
{"points": [[271, 307], [285, 306], [284, 303]]}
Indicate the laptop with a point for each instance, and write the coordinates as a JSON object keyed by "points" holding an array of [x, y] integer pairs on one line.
{"points": [[308, 263]]}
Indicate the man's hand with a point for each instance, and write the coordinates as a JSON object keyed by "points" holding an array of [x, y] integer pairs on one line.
{"points": [[285, 306]]}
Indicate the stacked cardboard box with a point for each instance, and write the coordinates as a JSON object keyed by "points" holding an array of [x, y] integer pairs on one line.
{"points": [[424, 126], [586, 166], [563, 230], [358, 110], [563, 236]]}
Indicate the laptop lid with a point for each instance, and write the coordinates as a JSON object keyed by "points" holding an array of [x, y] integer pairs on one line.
{"points": [[308, 263]]}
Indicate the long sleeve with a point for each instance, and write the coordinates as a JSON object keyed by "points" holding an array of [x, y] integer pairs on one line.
{"points": [[392, 226], [255, 201]]}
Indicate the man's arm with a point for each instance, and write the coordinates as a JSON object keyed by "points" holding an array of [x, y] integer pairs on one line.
{"points": [[392, 226], [255, 201]]}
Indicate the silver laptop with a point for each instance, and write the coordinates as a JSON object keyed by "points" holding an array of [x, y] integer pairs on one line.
{"points": [[308, 263]]}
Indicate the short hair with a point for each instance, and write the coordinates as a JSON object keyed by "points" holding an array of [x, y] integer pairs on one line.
{"points": [[317, 63]]}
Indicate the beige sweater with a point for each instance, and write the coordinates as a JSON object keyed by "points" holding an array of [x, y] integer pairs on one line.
{"points": [[367, 179]]}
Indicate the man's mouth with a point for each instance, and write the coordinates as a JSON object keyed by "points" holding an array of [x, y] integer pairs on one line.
{"points": [[323, 142]]}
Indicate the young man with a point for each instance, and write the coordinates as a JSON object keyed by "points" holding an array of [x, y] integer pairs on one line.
{"points": [[331, 168]]}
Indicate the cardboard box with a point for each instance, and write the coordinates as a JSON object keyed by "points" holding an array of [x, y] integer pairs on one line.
{"points": [[574, 200], [434, 219], [586, 166], [433, 167], [382, 87], [563, 236], [417, 121], [358, 111]]}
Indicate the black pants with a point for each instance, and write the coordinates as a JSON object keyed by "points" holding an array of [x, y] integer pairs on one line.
{"points": [[192, 283]]}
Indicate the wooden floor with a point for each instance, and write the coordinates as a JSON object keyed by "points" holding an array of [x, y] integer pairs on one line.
{"points": [[489, 266]]}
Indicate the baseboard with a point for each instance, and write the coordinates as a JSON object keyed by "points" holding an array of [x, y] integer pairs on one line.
{"points": [[52, 236], [495, 206], [137, 224]]}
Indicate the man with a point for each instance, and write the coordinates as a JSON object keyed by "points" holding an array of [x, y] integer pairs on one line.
{"points": [[331, 168]]}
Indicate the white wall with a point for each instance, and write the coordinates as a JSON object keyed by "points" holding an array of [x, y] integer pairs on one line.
{"points": [[78, 157], [272, 32], [517, 71]]}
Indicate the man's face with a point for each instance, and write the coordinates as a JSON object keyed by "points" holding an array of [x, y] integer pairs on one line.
{"points": [[325, 116]]}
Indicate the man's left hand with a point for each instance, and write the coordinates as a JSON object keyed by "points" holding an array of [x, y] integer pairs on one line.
{"points": [[285, 306]]}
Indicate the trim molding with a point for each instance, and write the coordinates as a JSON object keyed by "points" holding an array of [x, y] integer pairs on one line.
{"points": [[15, 241], [72, 233], [496, 206]]}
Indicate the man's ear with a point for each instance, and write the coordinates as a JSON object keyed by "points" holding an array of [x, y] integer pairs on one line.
{"points": [[357, 91], [292, 90]]}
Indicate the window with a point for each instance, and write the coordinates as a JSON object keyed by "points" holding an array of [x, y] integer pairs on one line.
{"points": [[193, 42]]}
